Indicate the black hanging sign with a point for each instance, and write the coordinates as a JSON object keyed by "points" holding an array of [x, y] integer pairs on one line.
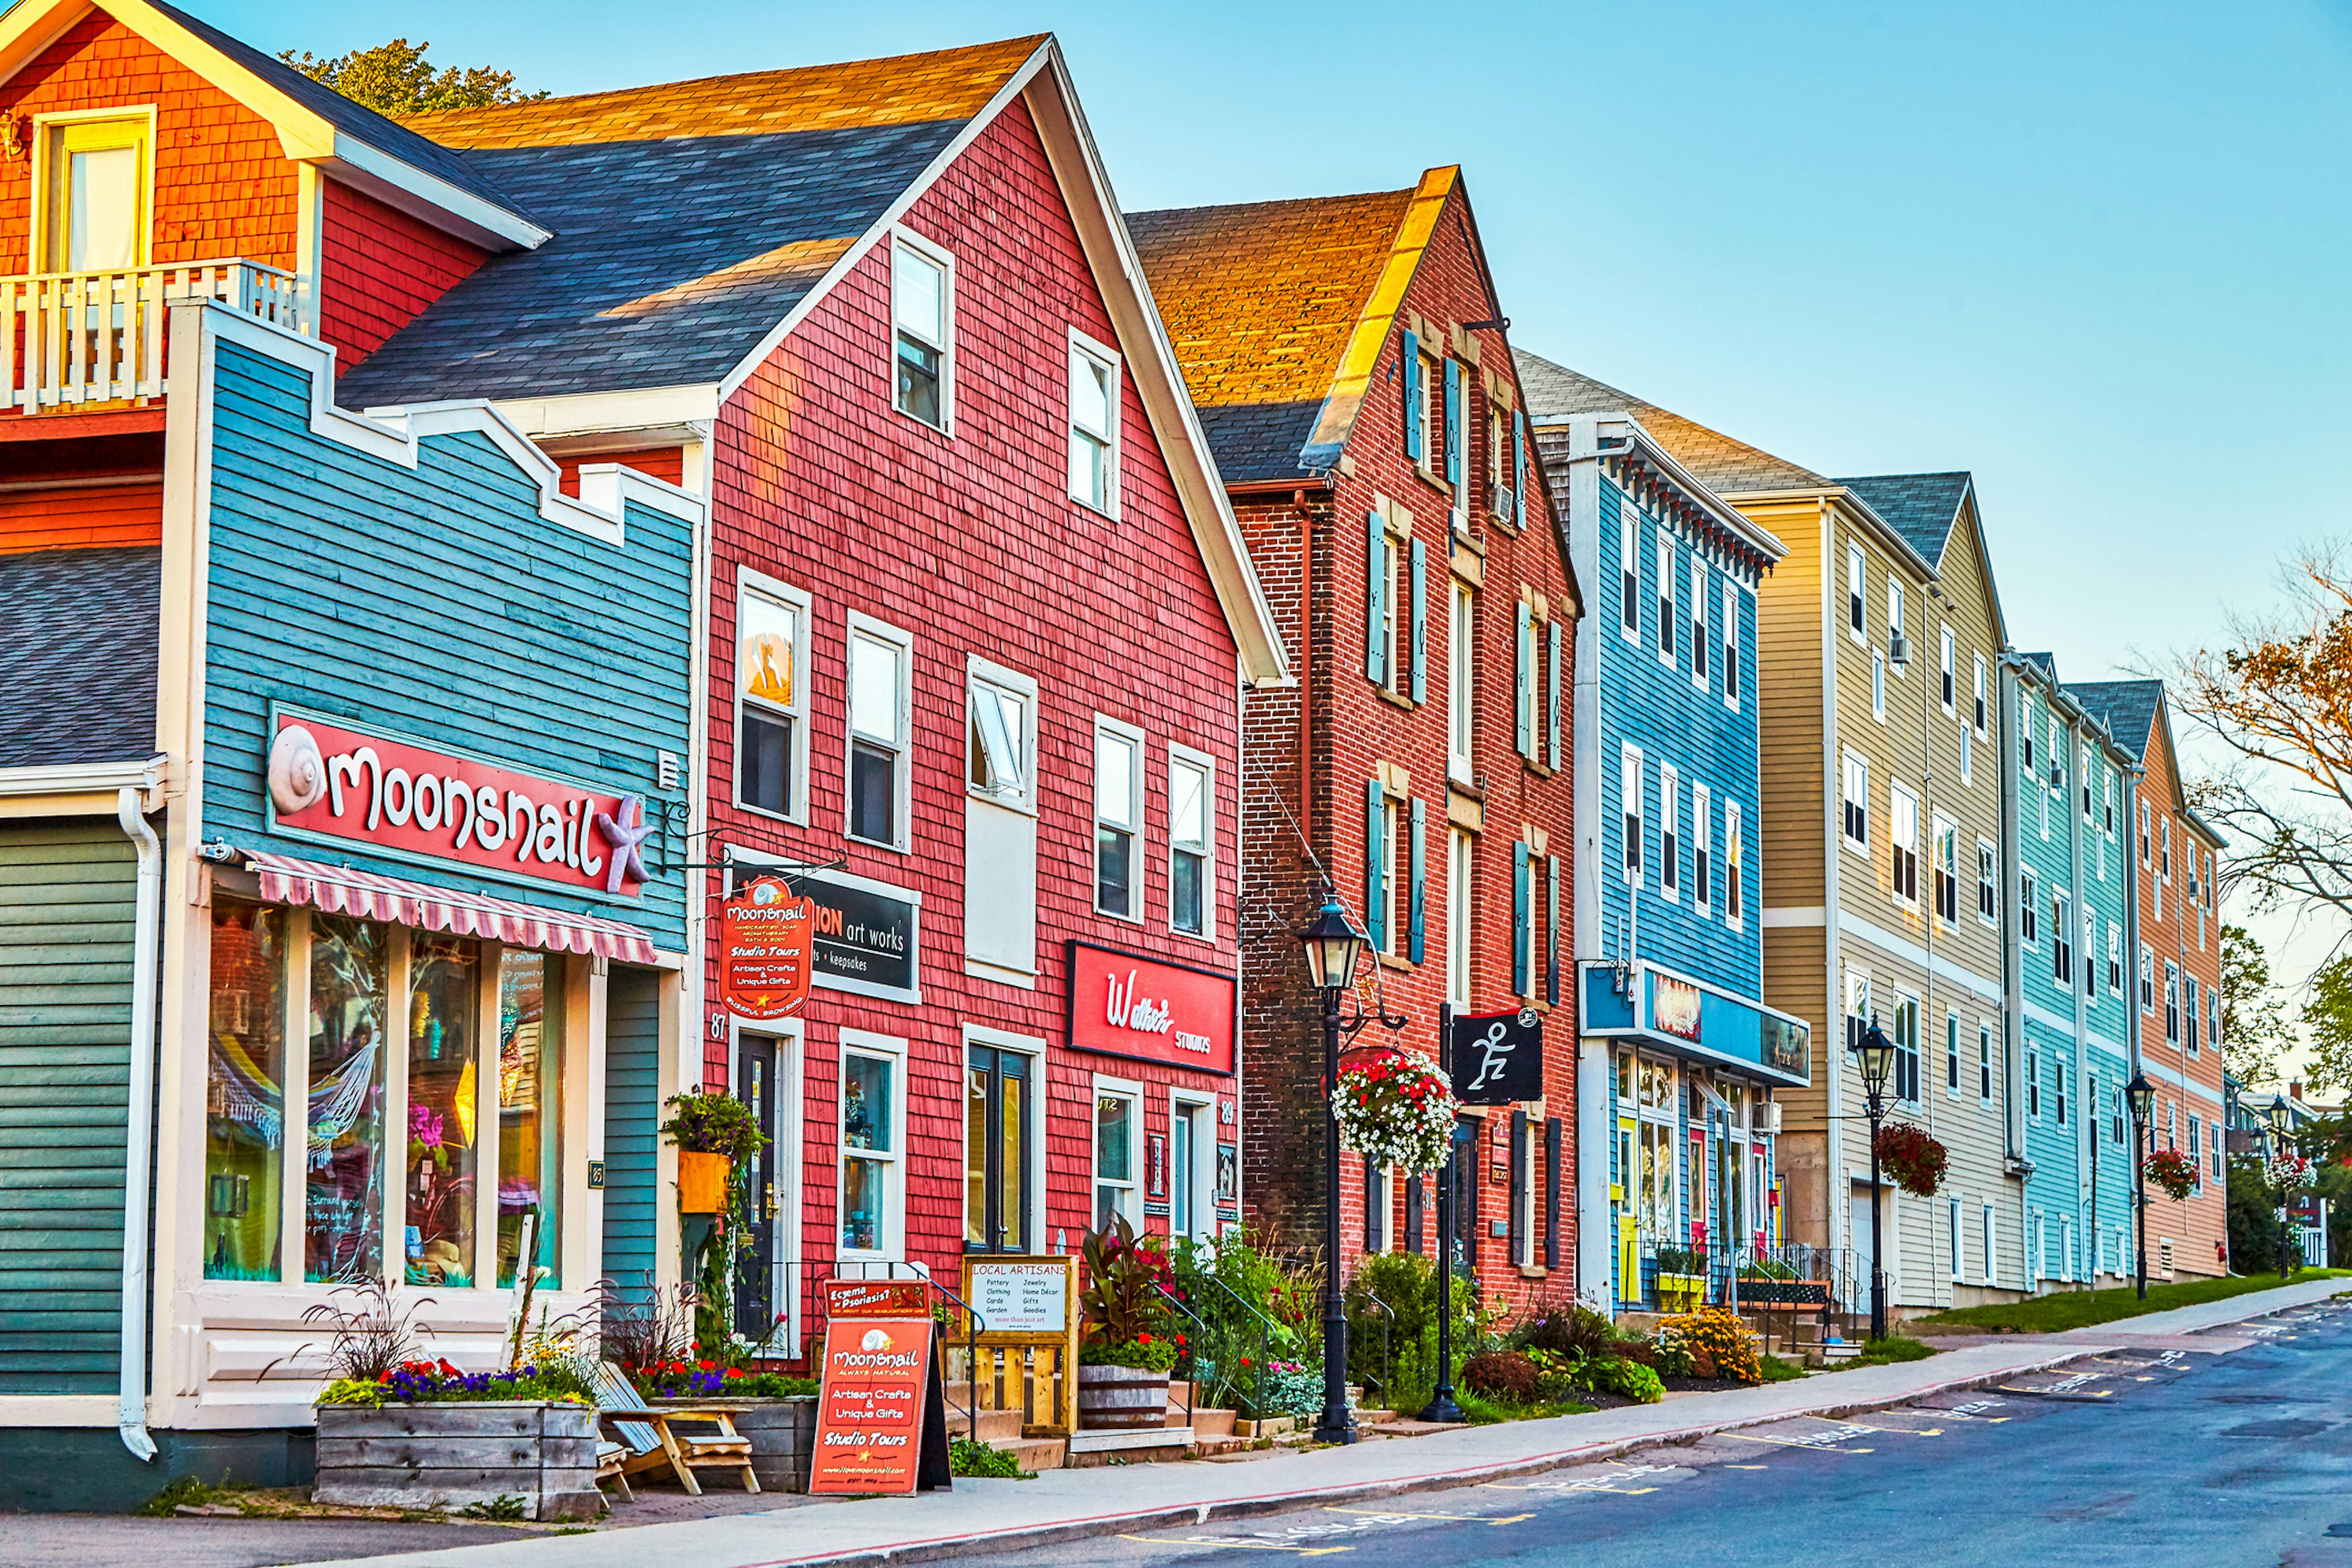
{"points": [[1497, 1060]]}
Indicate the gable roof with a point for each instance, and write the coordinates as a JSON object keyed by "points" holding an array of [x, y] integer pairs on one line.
{"points": [[1262, 302], [2128, 708], [690, 218], [1724, 466], [73, 621], [1922, 508]]}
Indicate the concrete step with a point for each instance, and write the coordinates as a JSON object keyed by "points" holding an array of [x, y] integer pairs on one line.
{"points": [[1206, 1422], [996, 1427], [1035, 1453]]}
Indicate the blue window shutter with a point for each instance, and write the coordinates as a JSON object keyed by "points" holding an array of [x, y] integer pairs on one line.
{"points": [[1376, 914], [1452, 421], [1376, 592], [1551, 702], [1420, 627], [1420, 890], [1519, 913], [1409, 352], [1519, 470], [1551, 929], [1523, 690]]}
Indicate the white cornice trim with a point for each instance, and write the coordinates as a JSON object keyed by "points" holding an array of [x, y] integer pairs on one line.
{"points": [[81, 789]]}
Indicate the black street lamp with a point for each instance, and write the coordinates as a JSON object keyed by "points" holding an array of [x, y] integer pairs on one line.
{"points": [[1876, 1057], [2142, 1095], [1333, 946]]}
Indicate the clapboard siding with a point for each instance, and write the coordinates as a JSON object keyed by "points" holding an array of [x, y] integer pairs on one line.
{"points": [[632, 1111], [68, 894], [438, 603], [1791, 698]]}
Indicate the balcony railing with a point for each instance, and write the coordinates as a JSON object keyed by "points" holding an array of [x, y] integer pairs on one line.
{"points": [[77, 339]]}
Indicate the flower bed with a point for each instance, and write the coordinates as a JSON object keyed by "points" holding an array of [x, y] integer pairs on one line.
{"points": [[429, 1435]]}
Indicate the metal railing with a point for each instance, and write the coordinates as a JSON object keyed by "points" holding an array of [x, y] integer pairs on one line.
{"points": [[69, 339], [1251, 1392], [1785, 1287], [1388, 1349], [1200, 1331]]}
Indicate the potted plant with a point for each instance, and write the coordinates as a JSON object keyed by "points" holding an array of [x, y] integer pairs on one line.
{"points": [[715, 1133], [1911, 1159], [1397, 1110], [1126, 1354], [2174, 1172], [398, 1430]]}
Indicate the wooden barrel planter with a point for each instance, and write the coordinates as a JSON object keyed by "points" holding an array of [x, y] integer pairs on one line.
{"points": [[1121, 1398], [782, 1433], [446, 1456]]}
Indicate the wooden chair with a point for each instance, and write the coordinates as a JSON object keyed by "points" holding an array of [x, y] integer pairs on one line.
{"points": [[652, 1445], [610, 1455]]}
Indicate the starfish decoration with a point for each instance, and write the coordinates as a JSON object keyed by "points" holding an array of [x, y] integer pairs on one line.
{"points": [[625, 833]]}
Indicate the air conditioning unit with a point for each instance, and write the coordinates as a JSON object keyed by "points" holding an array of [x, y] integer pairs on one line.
{"points": [[1504, 505], [1767, 1117], [1898, 648]]}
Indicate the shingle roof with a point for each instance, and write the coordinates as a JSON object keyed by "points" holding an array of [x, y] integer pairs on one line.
{"points": [[2128, 708], [1921, 506], [80, 627], [1723, 465], [1261, 301], [690, 219]]}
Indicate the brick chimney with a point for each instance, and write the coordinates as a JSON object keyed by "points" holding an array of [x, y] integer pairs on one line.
{"points": [[2294, 1091]]}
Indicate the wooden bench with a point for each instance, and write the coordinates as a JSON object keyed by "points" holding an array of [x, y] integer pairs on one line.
{"points": [[652, 1445]]}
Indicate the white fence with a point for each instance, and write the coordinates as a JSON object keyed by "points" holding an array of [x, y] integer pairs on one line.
{"points": [[68, 339]]}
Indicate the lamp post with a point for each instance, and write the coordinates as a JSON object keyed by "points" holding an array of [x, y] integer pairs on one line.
{"points": [[1876, 1057], [1333, 947], [2142, 1095]]}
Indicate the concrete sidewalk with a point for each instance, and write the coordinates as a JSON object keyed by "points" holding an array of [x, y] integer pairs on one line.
{"points": [[1062, 1505]]}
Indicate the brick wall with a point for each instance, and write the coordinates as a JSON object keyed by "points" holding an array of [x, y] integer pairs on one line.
{"points": [[378, 268]]}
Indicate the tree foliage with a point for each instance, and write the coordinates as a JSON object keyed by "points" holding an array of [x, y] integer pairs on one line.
{"points": [[2254, 1024], [395, 79], [2327, 1016]]}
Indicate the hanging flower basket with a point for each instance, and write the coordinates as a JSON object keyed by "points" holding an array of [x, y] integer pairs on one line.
{"points": [[1913, 1159], [1396, 1110], [2172, 1172], [2288, 1171]]}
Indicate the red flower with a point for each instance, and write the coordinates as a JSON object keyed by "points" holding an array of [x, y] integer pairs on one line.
{"points": [[734, 1372], [707, 1365]]}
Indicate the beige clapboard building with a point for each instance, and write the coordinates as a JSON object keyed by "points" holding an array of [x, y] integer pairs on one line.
{"points": [[1879, 642]]}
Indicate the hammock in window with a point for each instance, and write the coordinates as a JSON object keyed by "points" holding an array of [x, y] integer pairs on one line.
{"points": [[243, 1095]]}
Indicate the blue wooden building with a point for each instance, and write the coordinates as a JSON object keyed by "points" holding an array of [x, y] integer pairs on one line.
{"points": [[1679, 1059]]}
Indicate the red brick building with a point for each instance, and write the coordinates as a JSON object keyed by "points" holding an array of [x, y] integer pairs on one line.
{"points": [[1348, 358]]}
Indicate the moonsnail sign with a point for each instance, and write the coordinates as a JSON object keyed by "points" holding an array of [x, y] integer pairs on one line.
{"points": [[764, 965]]}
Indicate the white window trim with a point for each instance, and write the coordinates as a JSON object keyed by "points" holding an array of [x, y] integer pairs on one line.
{"points": [[1947, 674], [1735, 860], [1103, 354], [1897, 621], [1461, 681], [1954, 1214], [1629, 771], [1701, 626], [2028, 903], [1984, 847], [1629, 566], [979, 672], [1034, 1183], [1940, 829], [893, 1216], [1131, 1204], [749, 582], [1984, 1063], [1857, 592], [1847, 762], [1733, 683], [1669, 650], [1702, 849], [1879, 685], [902, 772], [1104, 723], [1181, 756], [1670, 814], [930, 251], [1461, 852], [1983, 703], [1895, 792]]}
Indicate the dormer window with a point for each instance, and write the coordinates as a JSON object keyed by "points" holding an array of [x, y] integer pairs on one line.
{"points": [[94, 211]]}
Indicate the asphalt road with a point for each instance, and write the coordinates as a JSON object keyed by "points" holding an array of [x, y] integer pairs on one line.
{"points": [[2140, 1458]]}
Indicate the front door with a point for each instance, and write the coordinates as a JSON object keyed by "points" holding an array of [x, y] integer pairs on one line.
{"points": [[1858, 1218], [756, 1085], [998, 1126]]}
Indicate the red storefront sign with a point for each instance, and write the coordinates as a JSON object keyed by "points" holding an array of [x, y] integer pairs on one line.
{"points": [[412, 803], [1123, 1006], [880, 1423], [765, 951]]}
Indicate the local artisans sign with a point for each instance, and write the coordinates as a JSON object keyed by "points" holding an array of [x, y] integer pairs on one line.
{"points": [[1125, 1005], [413, 803]]}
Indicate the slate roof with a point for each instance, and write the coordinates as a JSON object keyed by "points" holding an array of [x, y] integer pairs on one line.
{"points": [[80, 627], [387, 135], [690, 218], [2128, 708], [1922, 508], [1724, 466], [1260, 301]]}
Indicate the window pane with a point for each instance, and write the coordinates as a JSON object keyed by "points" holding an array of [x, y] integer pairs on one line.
{"points": [[1011, 1161], [866, 1120], [342, 1213], [1114, 779], [998, 725], [1089, 393], [919, 380], [1089, 469], [1114, 873], [766, 635], [531, 1121], [919, 295], [443, 1099], [979, 1150], [873, 794], [1188, 806], [103, 204], [1114, 1120], [862, 1185], [874, 688], [244, 1129], [1185, 893], [763, 752]]}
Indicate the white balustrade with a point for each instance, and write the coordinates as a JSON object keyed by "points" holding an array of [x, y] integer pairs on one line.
{"points": [[78, 339]]}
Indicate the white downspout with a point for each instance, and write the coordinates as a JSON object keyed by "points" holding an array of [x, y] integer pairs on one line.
{"points": [[131, 1418]]}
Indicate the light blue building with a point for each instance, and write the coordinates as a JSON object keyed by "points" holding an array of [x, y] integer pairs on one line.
{"points": [[2067, 801], [1678, 1056]]}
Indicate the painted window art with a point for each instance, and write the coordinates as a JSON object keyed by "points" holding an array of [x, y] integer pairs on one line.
{"points": [[343, 1197], [244, 1126], [444, 1103], [531, 1121]]}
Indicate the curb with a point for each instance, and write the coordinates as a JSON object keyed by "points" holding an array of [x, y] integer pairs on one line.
{"points": [[945, 1547]]}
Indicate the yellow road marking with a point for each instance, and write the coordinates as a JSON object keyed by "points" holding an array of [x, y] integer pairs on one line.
{"points": [[1247, 1545]]}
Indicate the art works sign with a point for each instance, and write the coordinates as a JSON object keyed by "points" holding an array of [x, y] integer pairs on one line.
{"points": [[387, 795], [1123, 1006], [764, 960]]}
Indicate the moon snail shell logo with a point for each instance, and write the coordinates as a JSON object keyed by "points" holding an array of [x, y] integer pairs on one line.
{"points": [[875, 1340], [298, 772]]}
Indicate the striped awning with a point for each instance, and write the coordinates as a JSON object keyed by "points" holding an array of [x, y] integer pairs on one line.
{"points": [[341, 890]]}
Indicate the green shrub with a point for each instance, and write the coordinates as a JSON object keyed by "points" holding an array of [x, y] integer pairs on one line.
{"points": [[970, 1457], [504, 1509], [1625, 1379], [1775, 1369], [1500, 1374], [1577, 1333]]}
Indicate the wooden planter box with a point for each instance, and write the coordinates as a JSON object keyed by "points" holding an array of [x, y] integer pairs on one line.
{"points": [[701, 1182], [1121, 1398], [782, 1433], [447, 1455]]}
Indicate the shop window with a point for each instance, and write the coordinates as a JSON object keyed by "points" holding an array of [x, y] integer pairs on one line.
{"points": [[872, 1179], [922, 314], [1119, 1124], [444, 1019], [94, 215], [1118, 818], [344, 1198], [999, 1128], [1191, 841], [244, 1128], [1094, 425], [879, 656], [772, 623], [531, 1114]]}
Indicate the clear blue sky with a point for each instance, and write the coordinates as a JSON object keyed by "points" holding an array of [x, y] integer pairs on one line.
{"points": [[2097, 254]]}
